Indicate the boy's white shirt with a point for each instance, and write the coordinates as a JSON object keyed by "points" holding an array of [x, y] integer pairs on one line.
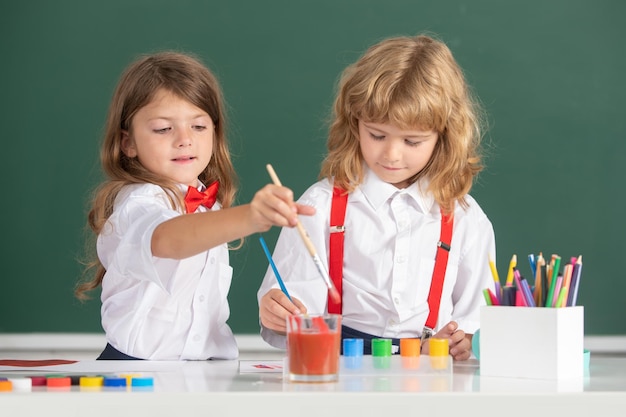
{"points": [[390, 244], [156, 308]]}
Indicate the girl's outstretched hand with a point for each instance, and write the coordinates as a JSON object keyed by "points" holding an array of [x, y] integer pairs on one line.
{"points": [[275, 307], [273, 205]]}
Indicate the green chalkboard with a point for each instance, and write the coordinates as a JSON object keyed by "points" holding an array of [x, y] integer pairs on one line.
{"points": [[550, 75]]}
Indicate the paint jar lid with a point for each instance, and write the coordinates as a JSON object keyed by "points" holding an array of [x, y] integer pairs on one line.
{"points": [[438, 347], [114, 382], [59, 381], [22, 384], [381, 347], [142, 381], [38, 381], [91, 381], [6, 385], [353, 347], [410, 347]]}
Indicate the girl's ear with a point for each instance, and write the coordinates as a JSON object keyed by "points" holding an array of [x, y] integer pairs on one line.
{"points": [[128, 146]]}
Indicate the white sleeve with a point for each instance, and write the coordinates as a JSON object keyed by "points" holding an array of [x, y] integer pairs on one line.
{"points": [[474, 273], [124, 245]]}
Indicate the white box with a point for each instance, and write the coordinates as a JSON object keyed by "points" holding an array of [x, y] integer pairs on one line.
{"points": [[532, 342]]}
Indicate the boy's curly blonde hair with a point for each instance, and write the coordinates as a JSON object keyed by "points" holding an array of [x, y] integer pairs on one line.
{"points": [[409, 82]]}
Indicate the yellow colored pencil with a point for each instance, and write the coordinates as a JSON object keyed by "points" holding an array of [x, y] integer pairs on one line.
{"points": [[512, 265], [496, 279], [494, 271]]}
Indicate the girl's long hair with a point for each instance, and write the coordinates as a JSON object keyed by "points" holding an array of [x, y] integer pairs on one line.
{"points": [[185, 76]]}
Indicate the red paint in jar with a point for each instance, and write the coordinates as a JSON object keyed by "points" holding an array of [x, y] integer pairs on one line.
{"points": [[313, 346]]}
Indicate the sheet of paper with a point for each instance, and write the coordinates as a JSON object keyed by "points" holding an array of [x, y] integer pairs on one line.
{"points": [[90, 367], [264, 366]]}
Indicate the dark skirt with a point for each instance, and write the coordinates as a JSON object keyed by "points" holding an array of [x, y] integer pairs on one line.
{"points": [[111, 354]]}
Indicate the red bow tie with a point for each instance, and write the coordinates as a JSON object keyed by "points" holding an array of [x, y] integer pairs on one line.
{"points": [[195, 198]]}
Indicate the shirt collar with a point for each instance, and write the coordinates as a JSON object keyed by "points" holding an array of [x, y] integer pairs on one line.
{"points": [[377, 192], [200, 186]]}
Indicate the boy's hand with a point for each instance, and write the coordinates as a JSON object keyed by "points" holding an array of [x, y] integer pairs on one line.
{"points": [[275, 307], [460, 343]]}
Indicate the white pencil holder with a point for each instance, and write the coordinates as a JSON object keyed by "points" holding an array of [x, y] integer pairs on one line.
{"points": [[532, 342]]}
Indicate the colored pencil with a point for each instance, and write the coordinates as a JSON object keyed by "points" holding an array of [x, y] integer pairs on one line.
{"points": [[508, 295], [562, 297], [567, 277], [496, 278], [487, 297], [557, 290], [553, 278], [538, 293], [512, 265], [533, 264], [524, 290], [530, 301], [575, 283]]}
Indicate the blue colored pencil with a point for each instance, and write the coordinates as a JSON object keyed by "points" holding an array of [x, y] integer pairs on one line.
{"points": [[278, 278], [533, 264]]}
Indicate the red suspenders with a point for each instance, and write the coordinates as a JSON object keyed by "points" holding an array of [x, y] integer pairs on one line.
{"points": [[439, 272], [335, 260]]}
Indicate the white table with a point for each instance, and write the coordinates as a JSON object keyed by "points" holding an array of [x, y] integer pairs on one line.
{"points": [[217, 388]]}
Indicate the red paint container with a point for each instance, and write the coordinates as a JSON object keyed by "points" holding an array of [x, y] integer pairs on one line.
{"points": [[313, 344]]}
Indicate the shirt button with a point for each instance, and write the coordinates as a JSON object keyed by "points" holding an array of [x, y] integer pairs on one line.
{"points": [[201, 298], [396, 300], [212, 261], [400, 259], [196, 338]]}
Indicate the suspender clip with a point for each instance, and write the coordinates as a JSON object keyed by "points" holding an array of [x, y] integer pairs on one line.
{"points": [[426, 334], [442, 245], [337, 229]]}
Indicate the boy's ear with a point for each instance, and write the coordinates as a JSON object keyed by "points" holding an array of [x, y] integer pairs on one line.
{"points": [[128, 146]]}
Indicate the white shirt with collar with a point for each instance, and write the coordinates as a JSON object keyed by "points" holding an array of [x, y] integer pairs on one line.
{"points": [[390, 244], [156, 308]]}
